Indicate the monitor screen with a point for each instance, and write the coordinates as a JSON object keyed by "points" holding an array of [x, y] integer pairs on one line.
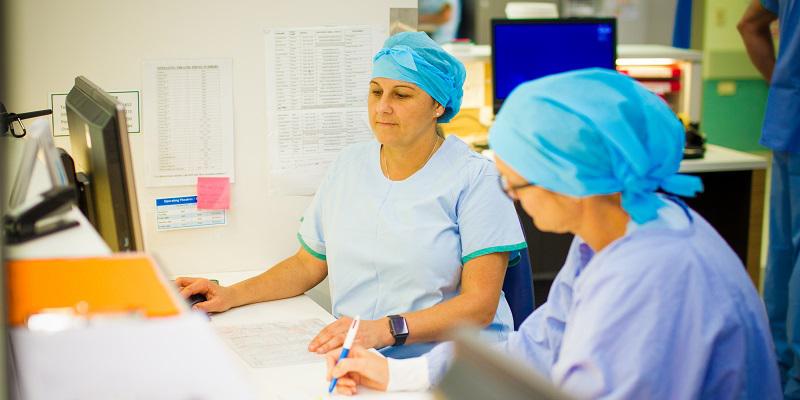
{"points": [[523, 50], [98, 134]]}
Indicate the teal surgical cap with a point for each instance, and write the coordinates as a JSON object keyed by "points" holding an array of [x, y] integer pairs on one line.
{"points": [[416, 58], [593, 132]]}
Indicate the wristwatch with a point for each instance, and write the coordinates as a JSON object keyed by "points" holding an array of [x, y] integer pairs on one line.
{"points": [[399, 329]]}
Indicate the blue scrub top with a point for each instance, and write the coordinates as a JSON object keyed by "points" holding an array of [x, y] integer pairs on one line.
{"points": [[665, 312], [781, 130], [399, 246], [448, 31]]}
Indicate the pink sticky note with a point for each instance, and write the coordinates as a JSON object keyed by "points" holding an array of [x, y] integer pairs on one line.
{"points": [[213, 193]]}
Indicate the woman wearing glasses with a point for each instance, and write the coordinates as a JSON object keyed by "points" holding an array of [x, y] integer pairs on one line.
{"points": [[651, 302], [411, 229]]}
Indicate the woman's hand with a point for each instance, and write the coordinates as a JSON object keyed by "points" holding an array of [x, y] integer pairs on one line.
{"points": [[218, 298], [361, 367], [371, 334]]}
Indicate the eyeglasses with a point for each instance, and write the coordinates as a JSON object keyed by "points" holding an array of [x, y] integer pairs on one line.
{"points": [[509, 189]]}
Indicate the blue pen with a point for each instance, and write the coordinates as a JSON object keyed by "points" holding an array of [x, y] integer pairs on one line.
{"points": [[348, 343]]}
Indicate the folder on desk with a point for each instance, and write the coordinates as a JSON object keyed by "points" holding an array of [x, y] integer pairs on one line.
{"points": [[117, 283]]}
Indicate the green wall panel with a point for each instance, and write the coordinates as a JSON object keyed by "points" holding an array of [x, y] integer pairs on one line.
{"points": [[734, 120], [729, 64]]}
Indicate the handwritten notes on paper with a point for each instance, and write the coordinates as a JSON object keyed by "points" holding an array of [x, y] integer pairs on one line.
{"points": [[213, 193], [188, 120], [317, 84], [274, 344]]}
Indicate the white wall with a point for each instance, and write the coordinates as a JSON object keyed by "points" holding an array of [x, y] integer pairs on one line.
{"points": [[54, 41]]}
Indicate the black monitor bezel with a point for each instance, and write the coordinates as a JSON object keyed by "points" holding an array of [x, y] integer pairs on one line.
{"points": [[130, 226]]}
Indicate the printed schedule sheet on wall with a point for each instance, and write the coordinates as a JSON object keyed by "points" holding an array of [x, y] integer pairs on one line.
{"points": [[188, 120], [182, 213]]}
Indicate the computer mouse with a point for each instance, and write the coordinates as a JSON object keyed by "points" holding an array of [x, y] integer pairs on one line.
{"points": [[196, 298]]}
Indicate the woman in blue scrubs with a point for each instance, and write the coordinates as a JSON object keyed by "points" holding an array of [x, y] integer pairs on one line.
{"points": [[411, 229], [651, 302]]}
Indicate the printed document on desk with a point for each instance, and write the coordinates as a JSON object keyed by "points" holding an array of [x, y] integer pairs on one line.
{"points": [[281, 366], [274, 344], [188, 120], [317, 85]]}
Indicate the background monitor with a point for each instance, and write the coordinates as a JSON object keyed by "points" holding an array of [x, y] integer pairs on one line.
{"points": [[98, 134], [527, 49]]}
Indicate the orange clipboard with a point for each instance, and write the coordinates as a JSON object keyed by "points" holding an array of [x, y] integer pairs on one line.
{"points": [[117, 283]]}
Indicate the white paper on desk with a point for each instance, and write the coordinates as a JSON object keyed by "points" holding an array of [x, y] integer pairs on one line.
{"points": [[317, 86], [274, 344], [164, 358], [188, 120], [308, 382]]}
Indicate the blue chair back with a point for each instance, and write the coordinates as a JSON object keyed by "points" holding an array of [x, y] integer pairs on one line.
{"points": [[518, 288]]}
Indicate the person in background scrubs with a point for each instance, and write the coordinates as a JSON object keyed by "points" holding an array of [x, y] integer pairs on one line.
{"points": [[651, 302], [781, 133], [410, 228], [444, 14]]}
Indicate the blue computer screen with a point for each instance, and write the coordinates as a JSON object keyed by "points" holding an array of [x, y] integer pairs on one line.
{"points": [[532, 49]]}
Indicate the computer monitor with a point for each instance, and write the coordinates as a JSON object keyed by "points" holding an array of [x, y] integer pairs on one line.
{"points": [[527, 49], [98, 135], [479, 372]]}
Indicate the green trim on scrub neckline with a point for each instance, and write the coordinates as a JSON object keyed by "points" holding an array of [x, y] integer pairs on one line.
{"points": [[309, 249], [496, 249]]}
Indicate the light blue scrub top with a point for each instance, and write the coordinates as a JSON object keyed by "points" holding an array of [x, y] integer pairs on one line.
{"points": [[665, 312], [781, 129], [399, 246]]}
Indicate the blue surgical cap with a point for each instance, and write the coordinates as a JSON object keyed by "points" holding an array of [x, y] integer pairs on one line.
{"points": [[594, 132], [416, 58]]}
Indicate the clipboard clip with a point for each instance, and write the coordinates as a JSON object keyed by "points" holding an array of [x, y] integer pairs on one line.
{"points": [[29, 223]]}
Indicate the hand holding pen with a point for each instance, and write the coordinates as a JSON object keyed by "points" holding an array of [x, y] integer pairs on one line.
{"points": [[350, 367], [348, 343]]}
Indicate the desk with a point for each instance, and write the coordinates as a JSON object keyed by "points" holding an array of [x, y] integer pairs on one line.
{"points": [[118, 355], [146, 358], [79, 241], [294, 382]]}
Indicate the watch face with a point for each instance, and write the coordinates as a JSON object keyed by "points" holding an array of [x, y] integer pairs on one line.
{"points": [[398, 326]]}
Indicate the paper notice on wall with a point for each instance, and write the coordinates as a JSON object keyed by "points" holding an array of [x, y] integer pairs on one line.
{"points": [[182, 213], [317, 85], [128, 98], [188, 120], [213, 193]]}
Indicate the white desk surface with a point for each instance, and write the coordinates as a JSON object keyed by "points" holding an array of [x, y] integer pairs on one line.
{"points": [[718, 158], [79, 241], [294, 382]]}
